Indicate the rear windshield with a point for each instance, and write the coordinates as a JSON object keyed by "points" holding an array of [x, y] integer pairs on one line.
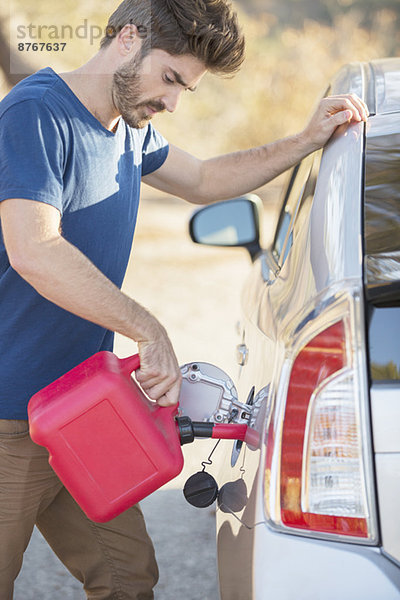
{"points": [[382, 247]]}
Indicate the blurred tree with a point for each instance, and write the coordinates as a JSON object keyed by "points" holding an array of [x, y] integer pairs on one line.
{"points": [[295, 12], [390, 371]]}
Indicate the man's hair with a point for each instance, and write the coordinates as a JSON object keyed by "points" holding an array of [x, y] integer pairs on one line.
{"points": [[206, 29]]}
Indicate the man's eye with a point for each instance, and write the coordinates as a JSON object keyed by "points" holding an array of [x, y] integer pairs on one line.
{"points": [[168, 79]]}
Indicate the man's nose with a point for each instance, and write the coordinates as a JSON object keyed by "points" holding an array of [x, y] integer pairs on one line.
{"points": [[171, 100]]}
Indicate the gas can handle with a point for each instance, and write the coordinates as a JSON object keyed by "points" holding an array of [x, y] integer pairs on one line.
{"points": [[130, 364]]}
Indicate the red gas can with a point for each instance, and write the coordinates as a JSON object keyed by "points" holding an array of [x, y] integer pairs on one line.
{"points": [[108, 444]]}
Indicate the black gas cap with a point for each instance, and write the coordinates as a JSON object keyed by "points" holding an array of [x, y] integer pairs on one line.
{"points": [[232, 496], [201, 490]]}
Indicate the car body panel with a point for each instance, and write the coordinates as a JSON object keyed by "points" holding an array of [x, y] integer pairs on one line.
{"points": [[286, 567], [385, 407]]}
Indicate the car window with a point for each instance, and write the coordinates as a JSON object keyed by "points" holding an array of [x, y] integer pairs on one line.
{"points": [[281, 233], [382, 211], [299, 192], [284, 218], [304, 205]]}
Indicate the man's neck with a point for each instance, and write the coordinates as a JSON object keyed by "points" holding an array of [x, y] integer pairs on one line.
{"points": [[92, 85]]}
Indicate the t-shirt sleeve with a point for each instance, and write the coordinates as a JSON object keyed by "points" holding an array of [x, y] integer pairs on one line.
{"points": [[155, 151], [31, 154]]}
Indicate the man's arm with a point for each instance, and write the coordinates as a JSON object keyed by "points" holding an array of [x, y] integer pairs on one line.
{"points": [[62, 274], [238, 173]]}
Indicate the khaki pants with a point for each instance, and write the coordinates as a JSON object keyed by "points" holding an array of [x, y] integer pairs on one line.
{"points": [[113, 560]]}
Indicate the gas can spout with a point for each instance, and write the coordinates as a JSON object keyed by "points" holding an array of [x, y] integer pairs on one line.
{"points": [[188, 430]]}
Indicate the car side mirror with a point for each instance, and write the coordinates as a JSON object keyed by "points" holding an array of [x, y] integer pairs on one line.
{"points": [[231, 223]]}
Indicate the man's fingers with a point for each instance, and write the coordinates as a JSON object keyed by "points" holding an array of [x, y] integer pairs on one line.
{"points": [[342, 117], [167, 376], [147, 380], [336, 105], [161, 382], [164, 394], [332, 112], [351, 102], [361, 106], [169, 399], [159, 373]]}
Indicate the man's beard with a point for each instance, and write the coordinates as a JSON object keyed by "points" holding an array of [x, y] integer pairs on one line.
{"points": [[126, 95]]}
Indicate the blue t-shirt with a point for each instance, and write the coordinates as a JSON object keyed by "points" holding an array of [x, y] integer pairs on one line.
{"points": [[53, 150]]}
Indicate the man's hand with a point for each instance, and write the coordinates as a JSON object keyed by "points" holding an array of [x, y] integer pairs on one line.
{"points": [[159, 373], [332, 112]]}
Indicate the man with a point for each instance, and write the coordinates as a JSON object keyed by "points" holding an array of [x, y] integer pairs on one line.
{"points": [[74, 148]]}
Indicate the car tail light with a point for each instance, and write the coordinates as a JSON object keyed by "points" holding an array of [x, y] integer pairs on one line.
{"points": [[322, 485]]}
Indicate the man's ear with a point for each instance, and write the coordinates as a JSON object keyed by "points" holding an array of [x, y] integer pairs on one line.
{"points": [[128, 40]]}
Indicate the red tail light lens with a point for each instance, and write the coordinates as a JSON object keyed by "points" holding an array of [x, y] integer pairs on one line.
{"points": [[320, 360], [318, 477]]}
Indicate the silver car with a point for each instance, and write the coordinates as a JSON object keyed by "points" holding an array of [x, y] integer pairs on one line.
{"points": [[309, 505]]}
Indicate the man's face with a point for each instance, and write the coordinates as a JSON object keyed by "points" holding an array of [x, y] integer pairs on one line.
{"points": [[143, 87]]}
